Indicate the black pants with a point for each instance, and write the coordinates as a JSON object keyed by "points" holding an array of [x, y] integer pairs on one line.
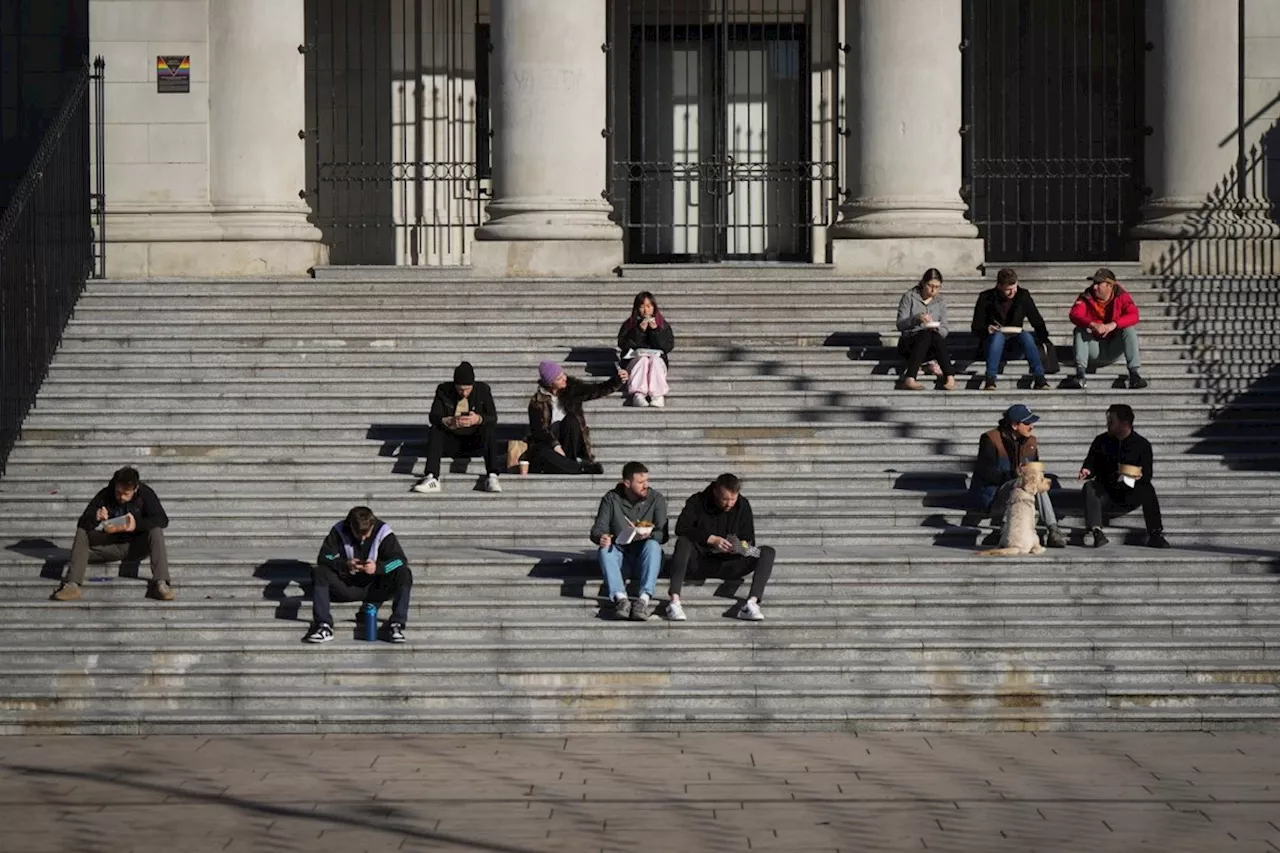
{"points": [[1102, 501], [441, 442], [690, 555], [922, 346], [375, 589], [543, 458]]}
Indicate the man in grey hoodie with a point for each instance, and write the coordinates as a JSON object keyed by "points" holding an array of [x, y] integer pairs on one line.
{"points": [[630, 527]]}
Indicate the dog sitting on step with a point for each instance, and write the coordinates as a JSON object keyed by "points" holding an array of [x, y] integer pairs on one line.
{"points": [[1019, 536]]}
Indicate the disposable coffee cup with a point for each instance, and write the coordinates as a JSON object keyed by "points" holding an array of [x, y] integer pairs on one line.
{"points": [[524, 468]]}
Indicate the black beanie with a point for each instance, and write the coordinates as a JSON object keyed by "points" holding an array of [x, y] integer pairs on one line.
{"points": [[464, 374]]}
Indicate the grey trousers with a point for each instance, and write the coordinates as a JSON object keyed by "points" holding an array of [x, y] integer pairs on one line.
{"points": [[99, 547], [1093, 351], [1044, 506]]}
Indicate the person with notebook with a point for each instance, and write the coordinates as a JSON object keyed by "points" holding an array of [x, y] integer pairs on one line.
{"points": [[644, 340], [630, 527], [715, 537], [922, 333], [999, 319]]}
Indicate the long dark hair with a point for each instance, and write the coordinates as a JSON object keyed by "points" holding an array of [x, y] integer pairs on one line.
{"points": [[930, 274], [634, 319]]}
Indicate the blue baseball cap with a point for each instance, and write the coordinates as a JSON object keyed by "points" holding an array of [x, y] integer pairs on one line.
{"points": [[1020, 414]]}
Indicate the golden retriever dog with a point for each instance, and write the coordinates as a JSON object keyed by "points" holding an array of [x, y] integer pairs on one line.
{"points": [[1019, 536]]}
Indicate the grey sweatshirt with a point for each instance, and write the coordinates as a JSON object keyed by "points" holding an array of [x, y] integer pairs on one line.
{"points": [[911, 306], [617, 508]]}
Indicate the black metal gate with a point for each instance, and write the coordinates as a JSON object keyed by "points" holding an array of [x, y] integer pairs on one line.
{"points": [[398, 128], [1053, 126], [722, 121]]}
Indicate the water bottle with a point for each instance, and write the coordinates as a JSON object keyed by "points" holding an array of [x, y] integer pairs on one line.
{"points": [[369, 622]]}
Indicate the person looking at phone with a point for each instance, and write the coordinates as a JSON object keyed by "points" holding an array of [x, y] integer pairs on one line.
{"points": [[630, 527], [124, 522], [922, 333], [648, 335], [463, 418], [715, 537]]}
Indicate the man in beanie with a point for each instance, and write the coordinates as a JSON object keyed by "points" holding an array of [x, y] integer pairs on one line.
{"points": [[1001, 454], [463, 419], [559, 441], [1106, 321]]}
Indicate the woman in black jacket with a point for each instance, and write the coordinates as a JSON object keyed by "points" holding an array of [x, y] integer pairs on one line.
{"points": [[998, 320], [646, 329]]}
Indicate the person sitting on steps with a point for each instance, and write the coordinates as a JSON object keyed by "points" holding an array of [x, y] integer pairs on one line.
{"points": [[1106, 320], [360, 560], [1117, 476], [922, 333], [124, 522], [630, 527], [1001, 454], [998, 319], [646, 329], [559, 440], [716, 535], [463, 419]]}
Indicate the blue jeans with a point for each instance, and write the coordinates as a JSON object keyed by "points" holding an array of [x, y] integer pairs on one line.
{"points": [[614, 560], [1001, 347]]}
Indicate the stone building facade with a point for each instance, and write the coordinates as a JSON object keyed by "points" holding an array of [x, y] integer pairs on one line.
{"points": [[567, 137]]}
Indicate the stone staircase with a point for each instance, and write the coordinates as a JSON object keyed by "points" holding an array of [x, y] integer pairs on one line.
{"points": [[262, 410]]}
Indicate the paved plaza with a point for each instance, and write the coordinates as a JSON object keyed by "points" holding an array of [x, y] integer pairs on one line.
{"points": [[699, 792]]}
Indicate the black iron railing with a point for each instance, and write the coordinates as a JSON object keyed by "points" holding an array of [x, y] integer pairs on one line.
{"points": [[48, 248]]}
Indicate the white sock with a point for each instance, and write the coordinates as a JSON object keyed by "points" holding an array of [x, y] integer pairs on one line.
{"points": [[644, 598]]}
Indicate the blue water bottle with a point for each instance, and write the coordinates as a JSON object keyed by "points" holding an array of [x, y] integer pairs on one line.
{"points": [[369, 621]]}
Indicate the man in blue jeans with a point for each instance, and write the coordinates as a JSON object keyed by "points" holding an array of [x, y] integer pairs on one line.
{"points": [[630, 527], [999, 318]]}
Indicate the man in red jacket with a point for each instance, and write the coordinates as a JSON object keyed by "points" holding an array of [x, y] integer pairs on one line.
{"points": [[1106, 321]]}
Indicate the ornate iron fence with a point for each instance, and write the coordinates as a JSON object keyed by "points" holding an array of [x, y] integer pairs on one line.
{"points": [[48, 248], [723, 128], [1053, 126]]}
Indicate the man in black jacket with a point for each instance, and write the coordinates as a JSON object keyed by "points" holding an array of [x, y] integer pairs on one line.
{"points": [[1117, 474], [124, 522], [463, 418], [998, 320], [716, 538], [360, 560]]}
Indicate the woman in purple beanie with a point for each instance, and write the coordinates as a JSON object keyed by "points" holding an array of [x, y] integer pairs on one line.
{"points": [[559, 440]]}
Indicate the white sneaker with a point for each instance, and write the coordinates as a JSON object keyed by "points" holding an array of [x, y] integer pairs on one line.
{"points": [[639, 401], [657, 402], [426, 485], [750, 611], [491, 483], [675, 613]]}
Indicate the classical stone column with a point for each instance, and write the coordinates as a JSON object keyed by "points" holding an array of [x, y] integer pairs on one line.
{"points": [[1194, 218], [257, 160], [548, 215], [904, 212]]}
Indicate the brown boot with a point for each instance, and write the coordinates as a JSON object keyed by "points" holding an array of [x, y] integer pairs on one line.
{"points": [[68, 592], [909, 384], [161, 591]]}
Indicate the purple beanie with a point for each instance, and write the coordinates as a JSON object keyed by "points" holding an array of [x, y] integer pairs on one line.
{"points": [[548, 372]]}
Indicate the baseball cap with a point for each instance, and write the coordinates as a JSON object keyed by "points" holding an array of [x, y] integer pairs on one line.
{"points": [[1103, 274], [1020, 414]]}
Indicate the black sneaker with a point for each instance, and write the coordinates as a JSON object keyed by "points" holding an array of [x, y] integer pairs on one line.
{"points": [[321, 633], [1136, 382], [992, 539], [1074, 383], [1039, 383], [395, 632], [592, 468], [622, 608], [1157, 540], [1099, 538], [989, 384]]}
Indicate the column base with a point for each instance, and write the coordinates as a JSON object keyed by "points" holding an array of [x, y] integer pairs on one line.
{"points": [[545, 258], [243, 258], [1210, 256], [908, 257]]}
